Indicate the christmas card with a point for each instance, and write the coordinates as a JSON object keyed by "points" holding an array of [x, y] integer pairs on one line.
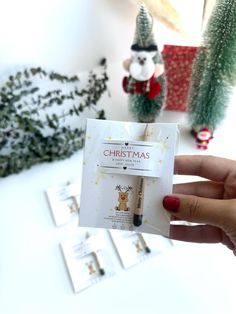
{"points": [[64, 202], [87, 260], [134, 247], [127, 170]]}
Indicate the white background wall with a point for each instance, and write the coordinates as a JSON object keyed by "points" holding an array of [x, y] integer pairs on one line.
{"points": [[71, 36]]}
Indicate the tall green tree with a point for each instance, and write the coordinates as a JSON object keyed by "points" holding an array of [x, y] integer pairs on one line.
{"points": [[140, 106], [214, 70]]}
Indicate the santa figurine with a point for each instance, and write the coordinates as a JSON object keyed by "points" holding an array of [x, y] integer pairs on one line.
{"points": [[203, 137], [142, 72]]}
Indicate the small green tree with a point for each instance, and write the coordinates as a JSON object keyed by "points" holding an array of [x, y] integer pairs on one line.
{"points": [[140, 106], [214, 70]]}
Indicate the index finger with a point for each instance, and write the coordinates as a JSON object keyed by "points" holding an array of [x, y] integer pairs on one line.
{"points": [[209, 167], [200, 234]]}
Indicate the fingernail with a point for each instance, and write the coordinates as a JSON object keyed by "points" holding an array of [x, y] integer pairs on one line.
{"points": [[171, 203]]}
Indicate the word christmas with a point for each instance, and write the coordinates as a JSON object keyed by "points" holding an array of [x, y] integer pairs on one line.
{"points": [[126, 154]]}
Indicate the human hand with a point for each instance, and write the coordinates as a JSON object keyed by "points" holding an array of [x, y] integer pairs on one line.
{"points": [[211, 203]]}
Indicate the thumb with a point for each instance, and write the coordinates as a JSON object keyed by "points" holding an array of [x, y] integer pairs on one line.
{"points": [[198, 209]]}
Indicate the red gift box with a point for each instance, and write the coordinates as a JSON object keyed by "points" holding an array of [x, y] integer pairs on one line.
{"points": [[178, 62]]}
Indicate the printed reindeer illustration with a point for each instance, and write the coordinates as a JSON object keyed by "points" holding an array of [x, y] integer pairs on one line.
{"points": [[123, 197], [91, 268]]}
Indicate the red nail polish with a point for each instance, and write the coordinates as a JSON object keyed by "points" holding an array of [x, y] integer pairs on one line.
{"points": [[171, 203]]}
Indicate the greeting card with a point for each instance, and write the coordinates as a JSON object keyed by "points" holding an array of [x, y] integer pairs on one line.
{"points": [[87, 260], [135, 247], [64, 202], [127, 170]]}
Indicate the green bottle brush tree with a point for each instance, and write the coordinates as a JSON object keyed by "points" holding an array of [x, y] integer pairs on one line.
{"points": [[214, 73]]}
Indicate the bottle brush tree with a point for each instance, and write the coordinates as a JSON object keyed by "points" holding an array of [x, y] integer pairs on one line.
{"points": [[214, 72]]}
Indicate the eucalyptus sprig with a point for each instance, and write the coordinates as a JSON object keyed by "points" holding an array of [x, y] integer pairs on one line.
{"points": [[35, 123]]}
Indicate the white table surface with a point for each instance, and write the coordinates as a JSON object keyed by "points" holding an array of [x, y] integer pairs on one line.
{"points": [[189, 278]]}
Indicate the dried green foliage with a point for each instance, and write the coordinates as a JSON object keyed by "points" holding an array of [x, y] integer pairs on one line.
{"points": [[36, 121]]}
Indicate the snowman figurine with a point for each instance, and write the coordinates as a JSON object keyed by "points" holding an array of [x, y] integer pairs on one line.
{"points": [[142, 72]]}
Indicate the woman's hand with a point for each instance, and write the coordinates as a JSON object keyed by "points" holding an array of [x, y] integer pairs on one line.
{"points": [[211, 203]]}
